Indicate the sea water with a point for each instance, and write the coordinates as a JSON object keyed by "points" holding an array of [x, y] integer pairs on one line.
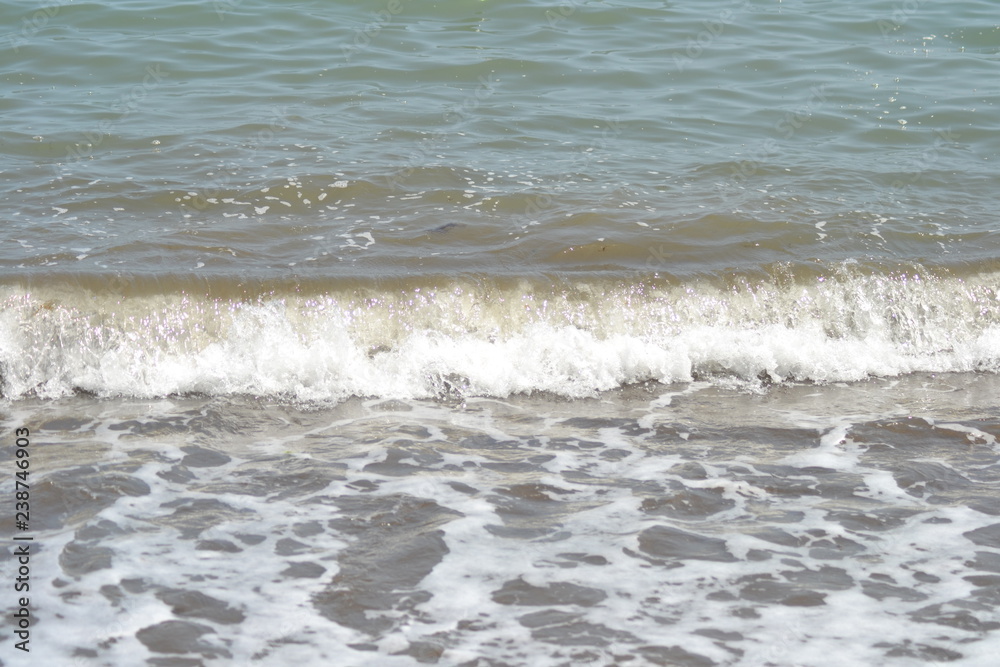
{"points": [[501, 333]]}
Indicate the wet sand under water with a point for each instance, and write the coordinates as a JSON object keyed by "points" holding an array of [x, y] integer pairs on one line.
{"points": [[686, 524]]}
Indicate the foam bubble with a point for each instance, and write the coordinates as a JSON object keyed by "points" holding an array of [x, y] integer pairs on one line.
{"points": [[493, 337]]}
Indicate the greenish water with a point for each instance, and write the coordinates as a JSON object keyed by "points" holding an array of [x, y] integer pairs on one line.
{"points": [[493, 333], [721, 134]]}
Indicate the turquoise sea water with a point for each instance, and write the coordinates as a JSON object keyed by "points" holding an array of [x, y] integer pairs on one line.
{"points": [[504, 333]]}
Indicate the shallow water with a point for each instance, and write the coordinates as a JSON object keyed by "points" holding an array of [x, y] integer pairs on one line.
{"points": [[503, 333], [688, 525]]}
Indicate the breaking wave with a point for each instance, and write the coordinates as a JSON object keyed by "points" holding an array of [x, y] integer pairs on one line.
{"points": [[489, 336]]}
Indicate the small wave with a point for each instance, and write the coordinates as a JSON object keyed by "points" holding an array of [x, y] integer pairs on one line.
{"points": [[489, 336]]}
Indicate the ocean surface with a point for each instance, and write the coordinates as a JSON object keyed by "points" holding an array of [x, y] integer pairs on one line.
{"points": [[500, 333]]}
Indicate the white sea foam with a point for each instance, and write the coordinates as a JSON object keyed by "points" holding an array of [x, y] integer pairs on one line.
{"points": [[841, 528], [484, 339]]}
